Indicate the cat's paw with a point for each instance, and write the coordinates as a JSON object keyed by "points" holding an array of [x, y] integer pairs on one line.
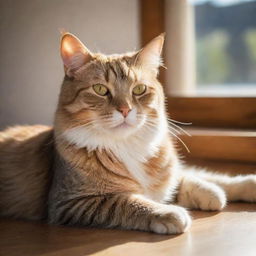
{"points": [[213, 200], [202, 195], [170, 219]]}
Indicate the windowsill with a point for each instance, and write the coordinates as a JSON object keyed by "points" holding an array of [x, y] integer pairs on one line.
{"points": [[227, 112], [231, 90], [218, 90], [238, 146]]}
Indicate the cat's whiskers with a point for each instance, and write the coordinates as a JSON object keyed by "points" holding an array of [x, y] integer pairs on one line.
{"points": [[151, 125], [181, 129], [106, 116], [174, 130], [113, 124], [178, 122], [86, 125], [183, 143]]}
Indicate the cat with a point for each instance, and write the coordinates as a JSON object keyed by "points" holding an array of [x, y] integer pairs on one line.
{"points": [[109, 160]]}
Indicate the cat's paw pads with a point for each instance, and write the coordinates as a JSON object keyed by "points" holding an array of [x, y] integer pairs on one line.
{"points": [[170, 220]]}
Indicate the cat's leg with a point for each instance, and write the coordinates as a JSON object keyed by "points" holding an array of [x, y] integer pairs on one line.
{"points": [[197, 193], [237, 188], [121, 211]]}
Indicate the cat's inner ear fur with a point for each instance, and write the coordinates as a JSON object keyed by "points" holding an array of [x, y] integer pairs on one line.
{"points": [[74, 54], [150, 56]]}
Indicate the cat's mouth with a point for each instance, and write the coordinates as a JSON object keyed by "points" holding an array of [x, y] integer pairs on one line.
{"points": [[123, 125]]}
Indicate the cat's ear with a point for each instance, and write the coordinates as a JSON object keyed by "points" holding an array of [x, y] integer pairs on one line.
{"points": [[150, 55], [74, 54]]}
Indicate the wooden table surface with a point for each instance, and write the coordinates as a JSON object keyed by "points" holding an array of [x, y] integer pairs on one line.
{"points": [[230, 232]]}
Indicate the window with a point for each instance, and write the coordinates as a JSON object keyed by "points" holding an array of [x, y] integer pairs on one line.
{"points": [[204, 83], [177, 18], [225, 33]]}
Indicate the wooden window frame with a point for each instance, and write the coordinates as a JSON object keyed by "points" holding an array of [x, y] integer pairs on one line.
{"points": [[213, 113], [221, 112]]}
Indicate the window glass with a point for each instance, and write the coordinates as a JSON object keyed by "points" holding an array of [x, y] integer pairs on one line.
{"points": [[225, 47]]}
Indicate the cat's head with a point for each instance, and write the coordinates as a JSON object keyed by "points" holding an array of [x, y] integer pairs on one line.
{"points": [[109, 96]]}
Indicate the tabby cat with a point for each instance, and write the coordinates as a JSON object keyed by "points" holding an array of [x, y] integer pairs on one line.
{"points": [[109, 160]]}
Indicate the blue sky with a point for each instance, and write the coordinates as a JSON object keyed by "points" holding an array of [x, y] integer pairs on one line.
{"points": [[220, 2]]}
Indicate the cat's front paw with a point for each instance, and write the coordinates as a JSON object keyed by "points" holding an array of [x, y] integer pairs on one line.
{"points": [[202, 195], [170, 219]]}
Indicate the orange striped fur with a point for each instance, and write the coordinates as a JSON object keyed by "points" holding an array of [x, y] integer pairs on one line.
{"points": [[109, 160]]}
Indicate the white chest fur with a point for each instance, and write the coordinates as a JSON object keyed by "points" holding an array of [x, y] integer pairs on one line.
{"points": [[133, 151]]}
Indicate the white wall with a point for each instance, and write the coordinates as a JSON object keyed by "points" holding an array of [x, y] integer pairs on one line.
{"points": [[30, 67]]}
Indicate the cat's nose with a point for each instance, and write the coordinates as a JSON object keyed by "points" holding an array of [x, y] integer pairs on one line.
{"points": [[124, 110]]}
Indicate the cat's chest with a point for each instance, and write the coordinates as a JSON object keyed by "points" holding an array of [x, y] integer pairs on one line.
{"points": [[135, 167], [154, 181]]}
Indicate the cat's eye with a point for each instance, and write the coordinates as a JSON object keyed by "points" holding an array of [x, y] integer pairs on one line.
{"points": [[139, 89], [100, 89]]}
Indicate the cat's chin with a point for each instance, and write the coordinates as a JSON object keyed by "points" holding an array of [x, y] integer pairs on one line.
{"points": [[123, 129], [123, 126]]}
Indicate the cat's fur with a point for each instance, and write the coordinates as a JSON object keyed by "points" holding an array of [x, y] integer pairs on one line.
{"points": [[115, 165]]}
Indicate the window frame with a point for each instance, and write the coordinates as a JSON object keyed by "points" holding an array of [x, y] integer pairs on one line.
{"points": [[210, 111], [214, 119]]}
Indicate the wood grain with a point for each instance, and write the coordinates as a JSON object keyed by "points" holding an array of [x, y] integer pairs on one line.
{"points": [[225, 167], [232, 145], [214, 112], [152, 23], [231, 232], [151, 19]]}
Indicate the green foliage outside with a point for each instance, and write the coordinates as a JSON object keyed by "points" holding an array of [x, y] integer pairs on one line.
{"points": [[214, 62], [250, 39]]}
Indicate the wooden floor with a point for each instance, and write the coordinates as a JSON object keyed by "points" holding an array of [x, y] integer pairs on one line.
{"points": [[231, 232]]}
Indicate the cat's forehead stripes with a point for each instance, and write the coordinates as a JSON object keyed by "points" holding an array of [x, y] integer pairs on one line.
{"points": [[110, 73], [118, 70]]}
